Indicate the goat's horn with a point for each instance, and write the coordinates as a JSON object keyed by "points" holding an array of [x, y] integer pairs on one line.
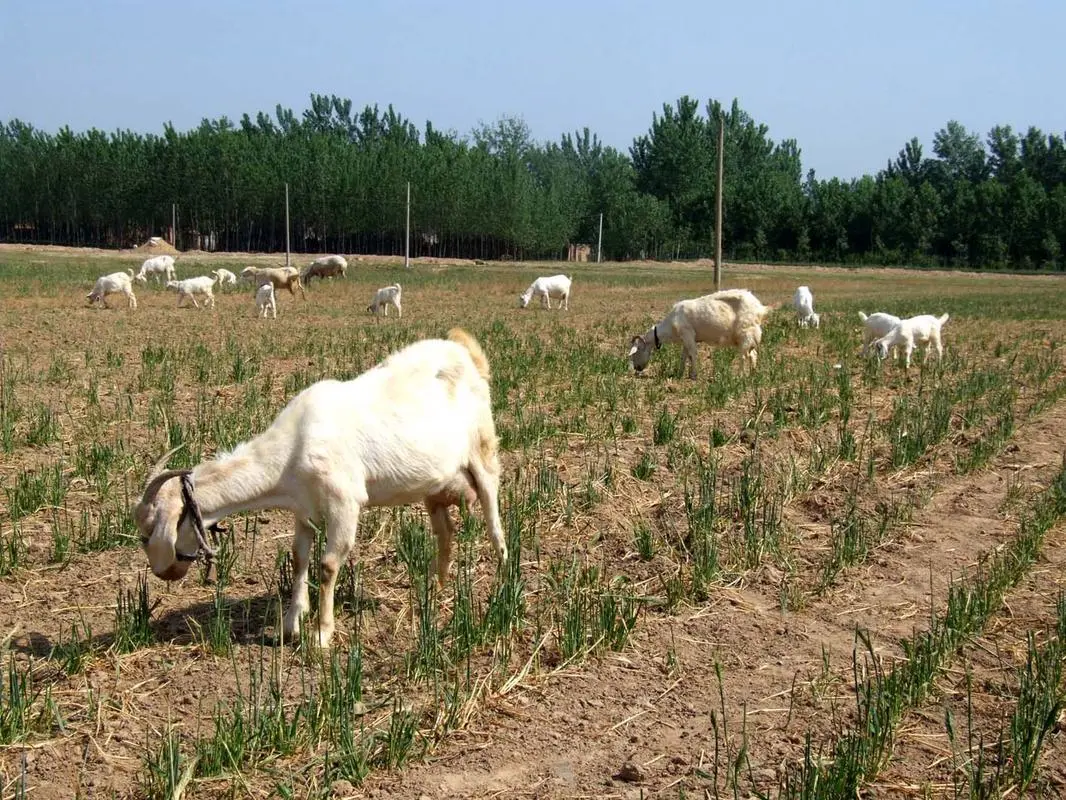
{"points": [[161, 464], [163, 477]]}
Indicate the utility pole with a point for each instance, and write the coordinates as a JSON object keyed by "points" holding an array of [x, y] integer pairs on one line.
{"points": [[718, 205], [599, 244], [286, 224], [407, 232], [174, 224]]}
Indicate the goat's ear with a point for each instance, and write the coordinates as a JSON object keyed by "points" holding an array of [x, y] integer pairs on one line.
{"points": [[632, 351]]}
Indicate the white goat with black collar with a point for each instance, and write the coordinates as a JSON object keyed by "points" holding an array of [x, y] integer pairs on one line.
{"points": [[729, 318], [416, 428]]}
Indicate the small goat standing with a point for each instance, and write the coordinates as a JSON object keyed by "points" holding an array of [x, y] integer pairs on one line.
{"points": [[115, 283], [264, 299], [417, 427], [188, 288], [385, 297], [923, 329], [803, 302]]}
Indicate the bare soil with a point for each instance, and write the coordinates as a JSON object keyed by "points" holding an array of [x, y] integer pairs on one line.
{"points": [[564, 730]]}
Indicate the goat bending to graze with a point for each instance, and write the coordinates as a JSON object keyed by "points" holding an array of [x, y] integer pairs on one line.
{"points": [[264, 299], [803, 302], [545, 288], [160, 267], [385, 297], [875, 326], [417, 427], [923, 329], [324, 267], [187, 289], [729, 318], [281, 277], [224, 277], [115, 283]]}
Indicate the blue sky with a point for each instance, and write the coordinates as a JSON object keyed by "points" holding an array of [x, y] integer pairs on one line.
{"points": [[851, 81]]}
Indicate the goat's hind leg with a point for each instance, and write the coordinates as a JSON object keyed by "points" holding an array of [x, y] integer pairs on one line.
{"points": [[487, 485]]}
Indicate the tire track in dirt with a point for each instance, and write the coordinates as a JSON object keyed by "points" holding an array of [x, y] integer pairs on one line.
{"points": [[567, 736]]}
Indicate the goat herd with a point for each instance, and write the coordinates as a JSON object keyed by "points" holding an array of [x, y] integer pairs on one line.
{"points": [[418, 427]]}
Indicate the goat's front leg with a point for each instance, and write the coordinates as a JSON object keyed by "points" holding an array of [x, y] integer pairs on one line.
{"points": [[689, 353], [301, 560], [341, 527]]}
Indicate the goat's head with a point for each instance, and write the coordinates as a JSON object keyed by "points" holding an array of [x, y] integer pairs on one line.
{"points": [[167, 535], [640, 350], [881, 348], [523, 299]]}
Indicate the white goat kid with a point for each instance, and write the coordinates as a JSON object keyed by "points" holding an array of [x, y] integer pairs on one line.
{"points": [[159, 267], [730, 318], [189, 288], [803, 302], [923, 329], [557, 286], [417, 427], [223, 277], [385, 297], [264, 300], [115, 283], [875, 326]]}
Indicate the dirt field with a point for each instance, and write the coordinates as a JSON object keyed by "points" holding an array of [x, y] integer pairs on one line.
{"points": [[694, 558]]}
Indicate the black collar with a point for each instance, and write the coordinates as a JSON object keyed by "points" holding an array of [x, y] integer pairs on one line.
{"points": [[655, 335]]}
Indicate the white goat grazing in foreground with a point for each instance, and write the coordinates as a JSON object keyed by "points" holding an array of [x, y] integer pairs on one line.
{"points": [[385, 297], [190, 287], [223, 277], [875, 326], [324, 267], [115, 283], [281, 277], [557, 286], [803, 302], [730, 318], [923, 329], [160, 267], [264, 299], [417, 427]]}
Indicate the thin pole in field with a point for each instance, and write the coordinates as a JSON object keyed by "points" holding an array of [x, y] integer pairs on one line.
{"points": [[174, 225], [718, 205], [286, 224], [407, 232], [599, 244]]}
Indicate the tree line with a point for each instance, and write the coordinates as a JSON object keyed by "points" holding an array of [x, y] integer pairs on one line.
{"points": [[498, 193]]}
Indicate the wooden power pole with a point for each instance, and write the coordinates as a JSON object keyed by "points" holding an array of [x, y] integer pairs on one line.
{"points": [[286, 224], [718, 206]]}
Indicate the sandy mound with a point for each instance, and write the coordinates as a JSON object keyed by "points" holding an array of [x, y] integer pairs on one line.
{"points": [[157, 245]]}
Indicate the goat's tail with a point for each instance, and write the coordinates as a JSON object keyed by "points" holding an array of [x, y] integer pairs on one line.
{"points": [[459, 336], [944, 318], [862, 316]]}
